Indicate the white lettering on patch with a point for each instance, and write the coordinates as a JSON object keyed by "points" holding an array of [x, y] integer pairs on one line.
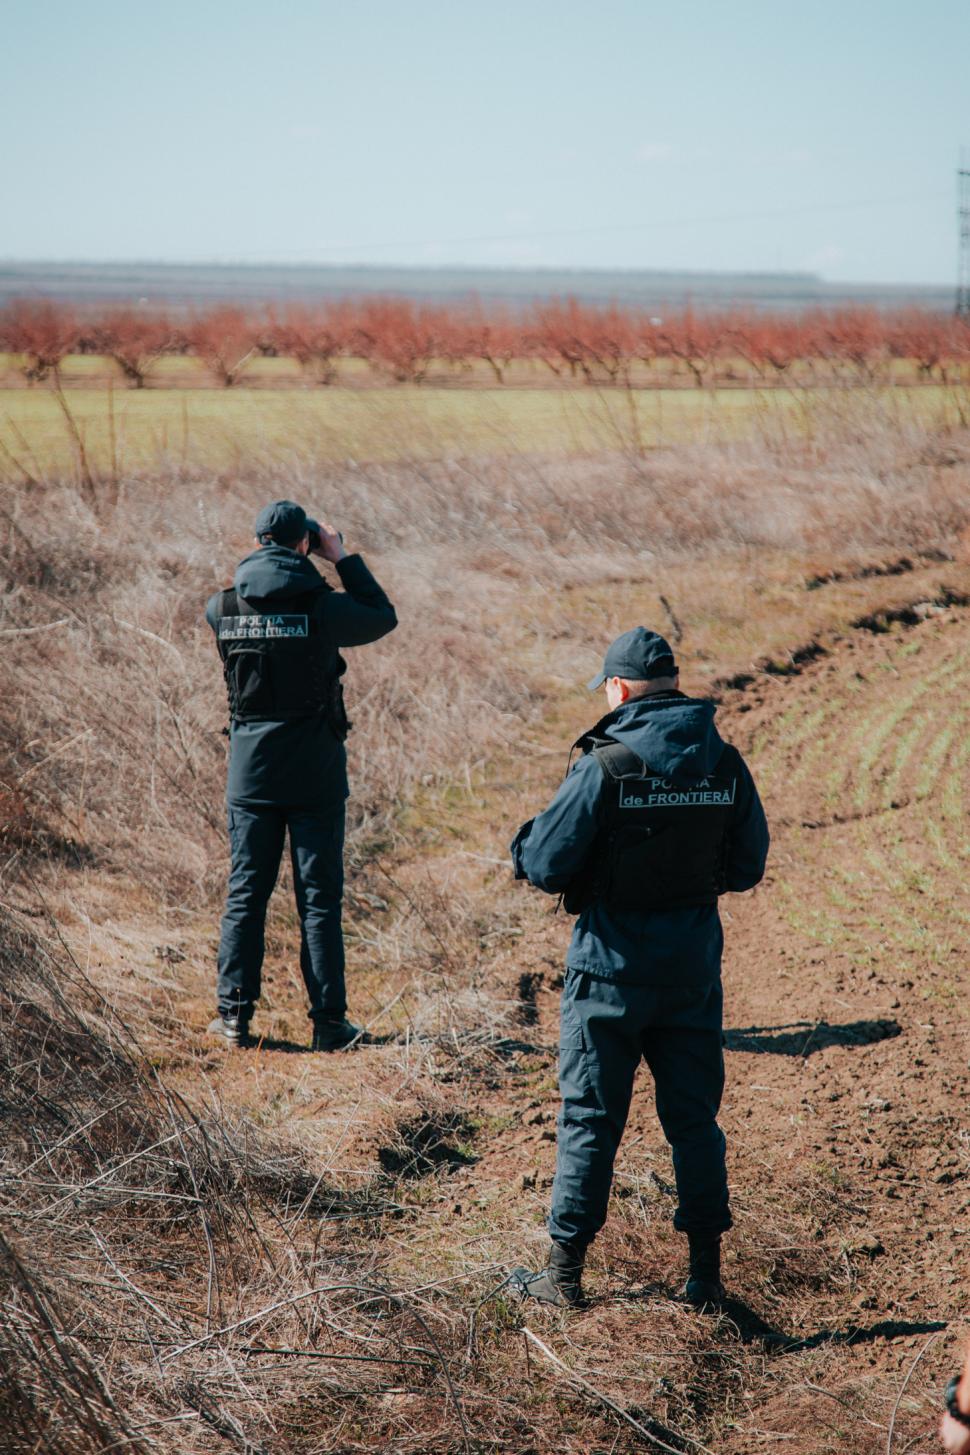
{"points": [[262, 628], [658, 793]]}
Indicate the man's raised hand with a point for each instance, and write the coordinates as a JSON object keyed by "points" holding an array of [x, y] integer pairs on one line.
{"points": [[331, 546]]}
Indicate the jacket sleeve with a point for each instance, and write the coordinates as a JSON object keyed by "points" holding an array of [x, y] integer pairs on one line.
{"points": [[360, 613], [748, 837], [212, 610], [550, 849]]}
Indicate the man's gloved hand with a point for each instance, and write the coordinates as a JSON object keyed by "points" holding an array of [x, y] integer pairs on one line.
{"points": [[331, 546]]}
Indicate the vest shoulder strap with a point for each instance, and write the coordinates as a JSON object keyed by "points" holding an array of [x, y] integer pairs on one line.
{"points": [[618, 761]]}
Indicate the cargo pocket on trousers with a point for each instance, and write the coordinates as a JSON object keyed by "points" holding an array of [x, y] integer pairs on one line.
{"points": [[574, 1077]]}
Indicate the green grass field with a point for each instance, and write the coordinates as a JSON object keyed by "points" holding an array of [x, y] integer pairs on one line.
{"points": [[135, 430]]}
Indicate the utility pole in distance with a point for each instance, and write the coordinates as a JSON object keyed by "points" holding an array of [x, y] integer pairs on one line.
{"points": [[963, 268]]}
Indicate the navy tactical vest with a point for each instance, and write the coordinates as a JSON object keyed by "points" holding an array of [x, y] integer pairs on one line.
{"points": [[662, 844], [279, 665]]}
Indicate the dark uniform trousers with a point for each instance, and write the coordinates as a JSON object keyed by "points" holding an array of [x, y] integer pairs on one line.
{"points": [[607, 1028], [256, 837]]}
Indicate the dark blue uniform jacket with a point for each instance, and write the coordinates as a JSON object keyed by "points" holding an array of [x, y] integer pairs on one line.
{"points": [[676, 737], [300, 762]]}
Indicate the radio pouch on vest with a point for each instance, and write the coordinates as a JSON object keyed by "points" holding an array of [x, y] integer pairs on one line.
{"points": [[663, 843]]}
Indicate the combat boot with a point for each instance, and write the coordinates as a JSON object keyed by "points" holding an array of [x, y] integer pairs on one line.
{"points": [[704, 1288], [233, 1029], [334, 1034], [560, 1282]]}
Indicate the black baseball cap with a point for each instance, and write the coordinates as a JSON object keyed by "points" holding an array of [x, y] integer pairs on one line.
{"points": [[637, 655], [285, 522]]}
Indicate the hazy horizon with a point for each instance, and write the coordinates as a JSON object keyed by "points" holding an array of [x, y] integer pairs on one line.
{"points": [[191, 285], [394, 265]]}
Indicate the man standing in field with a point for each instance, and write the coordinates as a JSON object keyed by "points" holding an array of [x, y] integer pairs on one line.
{"points": [[278, 631], [656, 820]]}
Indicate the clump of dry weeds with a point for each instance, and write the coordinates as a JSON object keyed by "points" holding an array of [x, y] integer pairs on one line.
{"points": [[169, 1282]]}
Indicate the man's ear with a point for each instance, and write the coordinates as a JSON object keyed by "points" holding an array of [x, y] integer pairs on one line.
{"points": [[624, 690]]}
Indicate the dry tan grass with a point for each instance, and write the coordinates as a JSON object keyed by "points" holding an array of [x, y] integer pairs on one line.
{"points": [[115, 727], [171, 1283], [508, 576]]}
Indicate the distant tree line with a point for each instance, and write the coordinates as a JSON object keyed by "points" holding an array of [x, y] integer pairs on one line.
{"points": [[408, 342]]}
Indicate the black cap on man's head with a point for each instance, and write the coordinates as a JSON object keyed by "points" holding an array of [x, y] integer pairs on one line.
{"points": [[284, 522], [637, 656]]}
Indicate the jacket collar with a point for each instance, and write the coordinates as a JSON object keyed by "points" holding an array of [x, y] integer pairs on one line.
{"points": [[599, 733]]}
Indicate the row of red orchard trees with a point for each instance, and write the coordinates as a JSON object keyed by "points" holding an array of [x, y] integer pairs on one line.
{"points": [[406, 341]]}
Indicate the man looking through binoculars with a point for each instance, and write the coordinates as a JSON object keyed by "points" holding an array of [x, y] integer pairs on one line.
{"points": [[279, 629]]}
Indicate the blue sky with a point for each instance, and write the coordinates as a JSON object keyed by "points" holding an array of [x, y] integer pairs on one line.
{"points": [[798, 134]]}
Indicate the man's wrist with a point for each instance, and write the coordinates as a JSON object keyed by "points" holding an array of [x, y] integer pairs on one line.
{"points": [[952, 1403]]}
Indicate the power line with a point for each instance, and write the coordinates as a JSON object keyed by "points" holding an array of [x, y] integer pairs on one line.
{"points": [[723, 219]]}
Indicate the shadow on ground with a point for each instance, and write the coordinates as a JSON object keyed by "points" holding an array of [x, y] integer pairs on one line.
{"points": [[433, 1138], [752, 1329], [802, 1038], [302, 1048], [739, 1320]]}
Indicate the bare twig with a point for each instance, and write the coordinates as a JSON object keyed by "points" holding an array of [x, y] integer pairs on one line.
{"points": [[128, 1282], [77, 437], [412, 902], [110, 1171], [676, 630], [610, 1404], [818, 1389], [370, 1293], [29, 479], [69, 1137], [902, 1388], [26, 631]]}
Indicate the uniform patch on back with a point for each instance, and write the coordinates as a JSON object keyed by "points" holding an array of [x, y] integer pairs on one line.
{"points": [[659, 793], [262, 628]]}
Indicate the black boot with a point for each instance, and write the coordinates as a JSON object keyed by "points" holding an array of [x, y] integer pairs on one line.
{"points": [[334, 1034], [233, 1029], [560, 1283], [704, 1287]]}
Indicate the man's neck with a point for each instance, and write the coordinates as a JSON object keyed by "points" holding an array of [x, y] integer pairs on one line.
{"points": [[665, 691]]}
